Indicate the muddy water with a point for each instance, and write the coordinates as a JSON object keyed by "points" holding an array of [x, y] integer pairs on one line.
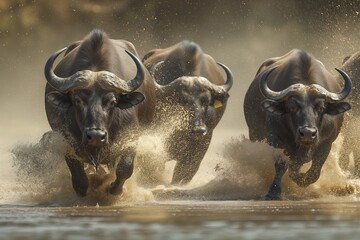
{"points": [[222, 202], [185, 220], [224, 199]]}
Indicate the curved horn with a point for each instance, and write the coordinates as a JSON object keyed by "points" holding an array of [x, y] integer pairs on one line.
{"points": [[268, 93], [59, 83], [83, 77], [113, 82], [136, 82], [273, 95], [347, 86], [265, 90], [153, 69], [229, 77], [336, 96]]}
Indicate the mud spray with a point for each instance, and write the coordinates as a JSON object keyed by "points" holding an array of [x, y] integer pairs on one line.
{"points": [[237, 170], [241, 34]]}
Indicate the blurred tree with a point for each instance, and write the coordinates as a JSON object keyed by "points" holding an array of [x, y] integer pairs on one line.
{"points": [[26, 22]]}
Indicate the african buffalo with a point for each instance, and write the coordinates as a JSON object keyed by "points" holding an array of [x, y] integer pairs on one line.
{"points": [[90, 99], [351, 65], [190, 80], [296, 104]]}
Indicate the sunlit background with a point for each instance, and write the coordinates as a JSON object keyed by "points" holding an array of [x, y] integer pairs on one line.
{"points": [[240, 34]]}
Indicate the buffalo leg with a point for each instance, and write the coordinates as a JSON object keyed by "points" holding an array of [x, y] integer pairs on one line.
{"points": [[356, 152], [313, 174], [124, 170], [319, 158], [274, 192], [78, 176], [185, 171], [188, 159], [357, 167], [187, 166], [347, 147]]}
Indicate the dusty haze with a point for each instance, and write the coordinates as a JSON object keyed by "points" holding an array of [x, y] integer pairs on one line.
{"points": [[240, 34]]}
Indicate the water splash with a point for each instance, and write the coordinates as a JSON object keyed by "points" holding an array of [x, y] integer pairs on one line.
{"points": [[239, 169], [246, 171], [41, 175], [43, 178]]}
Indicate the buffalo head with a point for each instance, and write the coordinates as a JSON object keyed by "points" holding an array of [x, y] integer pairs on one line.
{"points": [[92, 98], [304, 106], [199, 97]]}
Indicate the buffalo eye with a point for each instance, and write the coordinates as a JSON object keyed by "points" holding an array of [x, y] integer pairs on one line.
{"points": [[205, 102], [292, 107], [321, 109], [205, 108], [205, 99], [77, 101], [111, 102], [320, 106]]}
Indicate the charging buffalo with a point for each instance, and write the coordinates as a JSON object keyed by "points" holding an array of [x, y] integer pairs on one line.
{"points": [[91, 99], [191, 79], [296, 104], [350, 131]]}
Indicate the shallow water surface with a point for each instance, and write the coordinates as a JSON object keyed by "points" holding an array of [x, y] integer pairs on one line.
{"points": [[223, 201], [225, 204], [185, 220]]}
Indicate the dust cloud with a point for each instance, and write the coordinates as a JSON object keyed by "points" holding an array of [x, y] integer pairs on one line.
{"points": [[43, 178], [240, 34], [246, 170], [243, 170]]}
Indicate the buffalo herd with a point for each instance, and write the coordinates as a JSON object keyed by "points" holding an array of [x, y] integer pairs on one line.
{"points": [[101, 95]]}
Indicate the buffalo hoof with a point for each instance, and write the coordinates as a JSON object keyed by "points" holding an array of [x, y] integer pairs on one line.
{"points": [[356, 175], [114, 189], [272, 197], [346, 190], [81, 193], [80, 187]]}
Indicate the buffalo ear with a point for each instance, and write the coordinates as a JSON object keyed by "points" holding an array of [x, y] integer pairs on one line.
{"points": [[273, 107], [129, 100], [219, 100], [346, 58], [337, 108], [58, 99]]}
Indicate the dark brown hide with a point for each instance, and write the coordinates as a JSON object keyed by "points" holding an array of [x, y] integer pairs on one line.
{"points": [[88, 105], [349, 130], [304, 121], [192, 80]]}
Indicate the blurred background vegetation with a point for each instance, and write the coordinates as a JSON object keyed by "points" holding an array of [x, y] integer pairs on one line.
{"points": [[24, 22], [239, 33]]}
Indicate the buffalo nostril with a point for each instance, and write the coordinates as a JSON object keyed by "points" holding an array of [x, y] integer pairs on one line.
{"points": [[200, 129], [307, 133], [313, 135], [103, 137], [96, 137]]}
